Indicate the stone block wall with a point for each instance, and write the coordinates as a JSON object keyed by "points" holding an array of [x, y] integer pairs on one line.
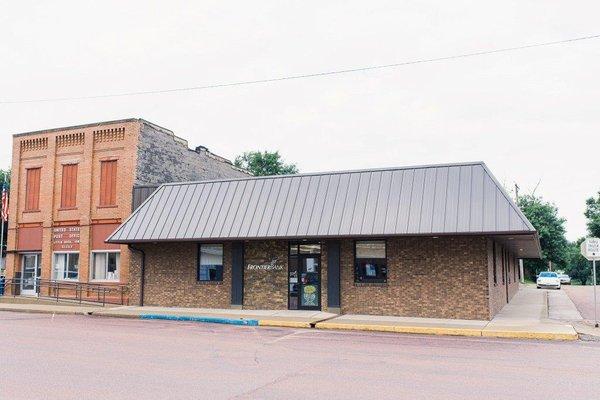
{"points": [[164, 157]]}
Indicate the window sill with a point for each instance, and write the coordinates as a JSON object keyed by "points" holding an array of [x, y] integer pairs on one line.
{"points": [[377, 284], [114, 281], [111, 206], [67, 208], [209, 282], [31, 211]]}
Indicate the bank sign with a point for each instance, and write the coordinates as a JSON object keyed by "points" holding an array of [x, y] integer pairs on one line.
{"points": [[272, 266]]}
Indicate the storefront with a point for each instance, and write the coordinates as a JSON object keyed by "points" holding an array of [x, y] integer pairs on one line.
{"points": [[432, 241]]}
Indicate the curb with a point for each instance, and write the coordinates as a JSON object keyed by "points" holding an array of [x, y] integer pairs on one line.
{"points": [[426, 330], [213, 320], [530, 335], [284, 323]]}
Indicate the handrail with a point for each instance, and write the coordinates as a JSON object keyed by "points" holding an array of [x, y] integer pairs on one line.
{"points": [[71, 290]]}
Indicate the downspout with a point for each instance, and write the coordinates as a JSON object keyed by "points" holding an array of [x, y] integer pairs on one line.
{"points": [[142, 272]]}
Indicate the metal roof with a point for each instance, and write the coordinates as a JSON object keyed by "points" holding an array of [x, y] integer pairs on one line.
{"points": [[423, 200]]}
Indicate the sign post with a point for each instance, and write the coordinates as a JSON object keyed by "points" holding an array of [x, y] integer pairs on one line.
{"points": [[590, 249]]}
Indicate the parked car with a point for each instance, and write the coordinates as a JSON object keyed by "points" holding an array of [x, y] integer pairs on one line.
{"points": [[548, 280], [564, 279]]}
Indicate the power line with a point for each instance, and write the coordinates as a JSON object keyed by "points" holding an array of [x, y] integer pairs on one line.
{"points": [[303, 76]]}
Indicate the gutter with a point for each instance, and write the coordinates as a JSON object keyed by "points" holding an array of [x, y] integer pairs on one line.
{"points": [[143, 271]]}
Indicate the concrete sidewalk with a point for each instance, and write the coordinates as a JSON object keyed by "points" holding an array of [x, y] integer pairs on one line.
{"points": [[526, 316]]}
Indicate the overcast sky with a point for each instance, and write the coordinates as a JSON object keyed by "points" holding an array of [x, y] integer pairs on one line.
{"points": [[531, 115]]}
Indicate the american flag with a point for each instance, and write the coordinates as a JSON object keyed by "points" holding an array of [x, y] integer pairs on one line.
{"points": [[4, 202]]}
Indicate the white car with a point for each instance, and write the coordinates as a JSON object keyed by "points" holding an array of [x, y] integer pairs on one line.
{"points": [[564, 279], [548, 280]]}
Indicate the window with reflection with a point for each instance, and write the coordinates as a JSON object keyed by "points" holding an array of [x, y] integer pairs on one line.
{"points": [[210, 263], [370, 263]]}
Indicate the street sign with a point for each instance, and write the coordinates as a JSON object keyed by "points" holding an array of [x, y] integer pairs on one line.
{"points": [[590, 249]]}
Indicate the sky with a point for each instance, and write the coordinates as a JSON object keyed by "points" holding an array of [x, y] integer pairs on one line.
{"points": [[532, 115]]}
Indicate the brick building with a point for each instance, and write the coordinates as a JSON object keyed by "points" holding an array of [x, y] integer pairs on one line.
{"points": [[73, 186], [431, 241]]}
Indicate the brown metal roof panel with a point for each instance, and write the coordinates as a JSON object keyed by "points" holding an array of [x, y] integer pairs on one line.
{"points": [[252, 208], [180, 210], [439, 204], [200, 203], [339, 206], [360, 206], [197, 230], [465, 189], [261, 205], [270, 207], [164, 219], [324, 219], [393, 203], [222, 212], [404, 204], [477, 197], [287, 190], [490, 207], [310, 224]]}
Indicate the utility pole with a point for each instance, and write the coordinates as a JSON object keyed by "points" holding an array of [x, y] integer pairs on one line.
{"points": [[517, 192]]}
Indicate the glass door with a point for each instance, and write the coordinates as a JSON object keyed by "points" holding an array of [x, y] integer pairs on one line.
{"points": [[30, 274], [305, 277]]}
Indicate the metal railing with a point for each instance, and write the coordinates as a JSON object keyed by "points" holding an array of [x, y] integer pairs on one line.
{"points": [[65, 290]]}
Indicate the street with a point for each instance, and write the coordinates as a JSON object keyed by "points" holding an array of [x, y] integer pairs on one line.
{"points": [[79, 357]]}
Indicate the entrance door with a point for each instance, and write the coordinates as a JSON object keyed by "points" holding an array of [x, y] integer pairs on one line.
{"points": [[305, 277], [30, 274]]}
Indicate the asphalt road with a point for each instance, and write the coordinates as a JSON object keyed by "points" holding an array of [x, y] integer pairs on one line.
{"points": [[72, 357], [583, 298]]}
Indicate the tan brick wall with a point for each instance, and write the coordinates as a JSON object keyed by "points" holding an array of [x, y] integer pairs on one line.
{"points": [[171, 279], [265, 289], [438, 278], [497, 292]]}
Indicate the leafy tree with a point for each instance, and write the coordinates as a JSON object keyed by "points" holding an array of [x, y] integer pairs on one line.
{"points": [[578, 268], [263, 163], [551, 228], [592, 213]]}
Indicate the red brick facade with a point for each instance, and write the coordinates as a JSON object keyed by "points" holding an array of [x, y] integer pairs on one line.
{"points": [[101, 162], [446, 277]]}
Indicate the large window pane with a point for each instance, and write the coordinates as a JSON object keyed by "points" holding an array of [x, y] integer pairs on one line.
{"points": [[58, 270], [73, 265], [370, 263], [112, 266], [211, 262], [99, 266], [310, 249], [66, 266]]}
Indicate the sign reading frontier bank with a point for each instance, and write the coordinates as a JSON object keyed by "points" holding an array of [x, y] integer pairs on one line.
{"points": [[272, 266]]}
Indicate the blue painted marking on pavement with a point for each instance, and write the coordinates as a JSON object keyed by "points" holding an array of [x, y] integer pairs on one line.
{"points": [[213, 320]]}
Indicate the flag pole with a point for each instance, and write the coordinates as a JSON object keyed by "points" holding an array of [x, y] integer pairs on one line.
{"points": [[2, 219]]}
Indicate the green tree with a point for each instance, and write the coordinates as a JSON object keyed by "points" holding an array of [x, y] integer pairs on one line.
{"points": [[551, 228], [579, 268], [592, 213], [263, 163]]}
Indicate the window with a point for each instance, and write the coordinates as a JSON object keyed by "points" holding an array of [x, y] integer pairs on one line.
{"points": [[108, 183], [32, 189], [68, 194], [210, 266], [105, 265], [370, 263], [66, 266]]}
